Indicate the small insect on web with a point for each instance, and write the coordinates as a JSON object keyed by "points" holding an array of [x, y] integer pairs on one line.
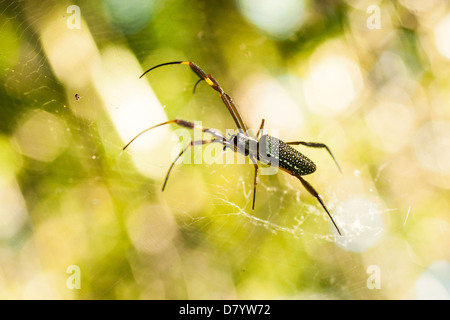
{"points": [[263, 148]]}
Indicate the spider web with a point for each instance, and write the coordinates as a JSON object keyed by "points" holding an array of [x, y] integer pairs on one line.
{"points": [[285, 248]]}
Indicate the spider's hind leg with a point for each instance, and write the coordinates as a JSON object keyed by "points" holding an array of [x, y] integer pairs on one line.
{"points": [[314, 193], [317, 145]]}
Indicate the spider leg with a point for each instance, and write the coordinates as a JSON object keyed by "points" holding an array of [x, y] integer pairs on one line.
{"points": [[255, 180], [196, 84], [192, 143], [209, 79], [316, 145], [314, 193], [217, 137], [261, 128], [182, 123]]}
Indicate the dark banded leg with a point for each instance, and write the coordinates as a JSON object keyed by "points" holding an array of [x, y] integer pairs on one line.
{"points": [[255, 181], [316, 145], [183, 123], [209, 79], [314, 193], [217, 137]]}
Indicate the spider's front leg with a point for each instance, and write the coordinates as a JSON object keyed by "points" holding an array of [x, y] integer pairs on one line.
{"points": [[192, 143], [217, 138], [209, 79], [182, 123]]}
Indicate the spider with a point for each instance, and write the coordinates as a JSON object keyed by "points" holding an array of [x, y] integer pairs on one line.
{"points": [[266, 149]]}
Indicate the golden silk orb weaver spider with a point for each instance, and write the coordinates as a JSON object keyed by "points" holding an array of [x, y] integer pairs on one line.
{"points": [[263, 148]]}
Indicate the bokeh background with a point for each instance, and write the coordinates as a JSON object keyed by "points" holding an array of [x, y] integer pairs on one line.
{"points": [[82, 219]]}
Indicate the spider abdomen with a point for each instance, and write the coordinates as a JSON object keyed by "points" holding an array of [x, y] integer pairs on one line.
{"points": [[275, 152]]}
